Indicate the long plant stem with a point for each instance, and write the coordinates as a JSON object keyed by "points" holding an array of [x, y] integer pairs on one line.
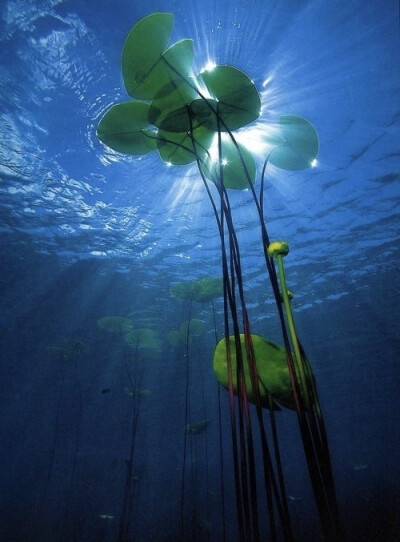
{"points": [[307, 407]]}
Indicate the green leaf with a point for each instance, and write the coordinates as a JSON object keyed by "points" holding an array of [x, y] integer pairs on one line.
{"points": [[176, 338], [145, 76], [124, 128], [238, 99], [143, 47], [193, 327], [270, 364], [169, 109], [173, 67], [234, 174], [205, 111], [202, 290], [143, 338], [177, 148], [300, 145]]}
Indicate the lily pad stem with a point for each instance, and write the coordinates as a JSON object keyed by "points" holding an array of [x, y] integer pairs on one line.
{"points": [[278, 250]]}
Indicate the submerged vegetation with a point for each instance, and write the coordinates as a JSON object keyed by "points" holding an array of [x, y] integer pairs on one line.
{"points": [[190, 118]]}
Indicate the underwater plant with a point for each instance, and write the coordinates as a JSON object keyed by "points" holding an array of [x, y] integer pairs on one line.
{"points": [[141, 340], [197, 427], [273, 376], [115, 324], [191, 118], [202, 290], [187, 330], [68, 350]]}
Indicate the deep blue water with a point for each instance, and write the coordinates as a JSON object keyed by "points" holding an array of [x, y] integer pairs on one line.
{"points": [[87, 233]]}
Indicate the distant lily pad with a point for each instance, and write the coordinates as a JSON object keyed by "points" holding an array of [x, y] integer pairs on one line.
{"points": [[116, 324], [199, 290], [176, 338], [193, 327], [143, 338], [68, 349]]}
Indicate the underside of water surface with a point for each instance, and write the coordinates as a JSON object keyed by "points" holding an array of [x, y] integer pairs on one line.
{"points": [[199, 251]]}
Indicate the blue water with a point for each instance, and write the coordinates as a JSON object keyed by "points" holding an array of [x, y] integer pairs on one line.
{"points": [[86, 233]]}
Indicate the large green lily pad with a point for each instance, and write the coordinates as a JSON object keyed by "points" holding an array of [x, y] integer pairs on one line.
{"points": [[300, 146], [272, 370], [235, 99], [184, 147], [142, 50], [146, 66], [169, 109], [125, 128], [238, 166]]}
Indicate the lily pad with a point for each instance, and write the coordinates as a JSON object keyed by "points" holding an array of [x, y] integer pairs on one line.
{"points": [[142, 50], [150, 76], [196, 428], [183, 147], [202, 290], [236, 174], [68, 349], [238, 101], [124, 128], [205, 111], [116, 324], [143, 338], [169, 109], [300, 146], [176, 338], [194, 326], [271, 365]]}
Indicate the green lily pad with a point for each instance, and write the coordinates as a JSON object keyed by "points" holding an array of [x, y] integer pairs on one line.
{"points": [[300, 145], [176, 338], [176, 121], [115, 324], [238, 99], [235, 175], [205, 111], [193, 327], [174, 66], [200, 290], [68, 349], [142, 50], [124, 128], [272, 370], [169, 109], [182, 148], [145, 76], [143, 338]]}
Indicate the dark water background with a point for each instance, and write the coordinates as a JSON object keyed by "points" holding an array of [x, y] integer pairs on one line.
{"points": [[86, 233]]}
